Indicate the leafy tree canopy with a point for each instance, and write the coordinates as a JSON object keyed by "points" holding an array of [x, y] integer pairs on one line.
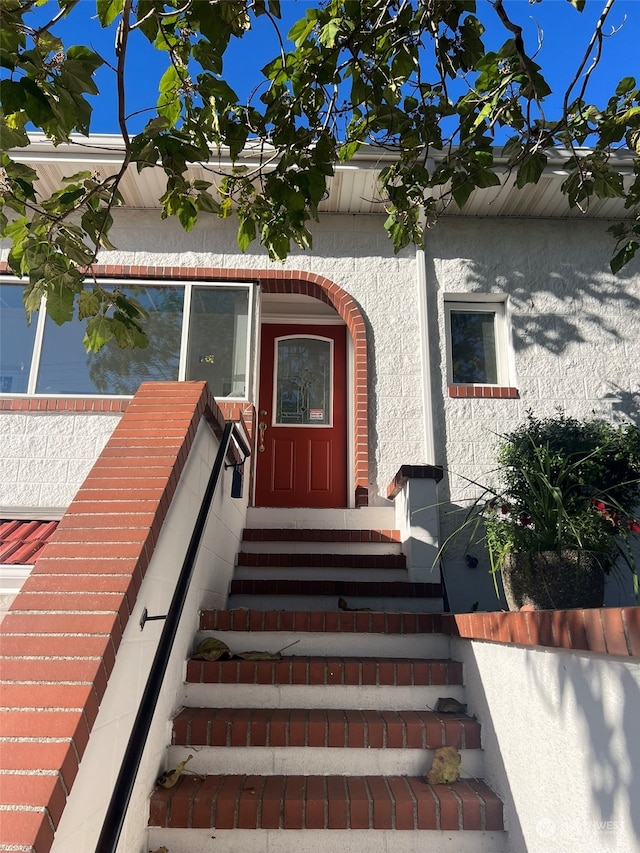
{"points": [[411, 75]]}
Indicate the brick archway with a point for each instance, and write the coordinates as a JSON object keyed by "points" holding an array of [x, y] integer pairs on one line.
{"points": [[287, 281]]}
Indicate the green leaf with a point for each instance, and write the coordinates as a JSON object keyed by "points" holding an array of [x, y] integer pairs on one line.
{"points": [[608, 184], [461, 188], [98, 332], [88, 304], [246, 233], [60, 298], [531, 169], [330, 32], [626, 253], [108, 10], [12, 132], [625, 85], [187, 214]]}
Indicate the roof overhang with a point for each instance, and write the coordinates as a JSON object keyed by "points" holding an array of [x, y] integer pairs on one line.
{"points": [[352, 189]]}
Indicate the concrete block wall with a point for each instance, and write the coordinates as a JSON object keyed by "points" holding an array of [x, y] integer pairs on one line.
{"points": [[48, 448]]}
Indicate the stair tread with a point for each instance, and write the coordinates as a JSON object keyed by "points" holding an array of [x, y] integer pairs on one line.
{"points": [[373, 729], [326, 802], [334, 670], [298, 586], [330, 621], [279, 559], [319, 534]]}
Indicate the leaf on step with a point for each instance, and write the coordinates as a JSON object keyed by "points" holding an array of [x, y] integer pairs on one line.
{"points": [[449, 705], [259, 655], [160, 850], [265, 655], [169, 778], [342, 605], [211, 649], [446, 766]]}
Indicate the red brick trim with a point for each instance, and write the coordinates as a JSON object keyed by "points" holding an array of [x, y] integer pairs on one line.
{"points": [[610, 630], [61, 404], [59, 640], [493, 392], [284, 281], [413, 472]]}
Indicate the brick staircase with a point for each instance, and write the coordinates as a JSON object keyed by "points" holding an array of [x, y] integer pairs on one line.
{"points": [[329, 745]]}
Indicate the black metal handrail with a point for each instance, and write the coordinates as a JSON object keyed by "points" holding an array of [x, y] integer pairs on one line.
{"points": [[116, 812]]}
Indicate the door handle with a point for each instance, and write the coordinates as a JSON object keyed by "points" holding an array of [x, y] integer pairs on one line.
{"points": [[262, 426]]}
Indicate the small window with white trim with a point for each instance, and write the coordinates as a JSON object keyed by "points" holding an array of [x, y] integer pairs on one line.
{"points": [[477, 342]]}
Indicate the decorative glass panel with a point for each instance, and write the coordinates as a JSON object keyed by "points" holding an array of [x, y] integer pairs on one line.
{"points": [[16, 341], [303, 382], [473, 347], [65, 367], [218, 331]]}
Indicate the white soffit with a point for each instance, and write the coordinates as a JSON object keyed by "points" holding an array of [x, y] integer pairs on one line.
{"points": [[353, 189]]}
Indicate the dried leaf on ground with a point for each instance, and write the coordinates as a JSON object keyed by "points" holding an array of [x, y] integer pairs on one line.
{"points": [[449, 705], [342, 605], [446, 766], [169, 778], [265, 655], [211, 649]]}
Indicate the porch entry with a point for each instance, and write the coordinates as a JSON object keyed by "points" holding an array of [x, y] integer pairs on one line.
{"points": [[301, 458]]}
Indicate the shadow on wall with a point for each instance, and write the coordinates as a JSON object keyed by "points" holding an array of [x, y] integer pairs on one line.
{"points": [[605, 697]]}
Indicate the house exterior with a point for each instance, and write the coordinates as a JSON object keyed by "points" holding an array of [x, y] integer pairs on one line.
{"points": [[510, 307], [386, 378]]}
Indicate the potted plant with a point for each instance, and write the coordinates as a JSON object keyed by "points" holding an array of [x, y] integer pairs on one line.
{"points": [[565, 515]]}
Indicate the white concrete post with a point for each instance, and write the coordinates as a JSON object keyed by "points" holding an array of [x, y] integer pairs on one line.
{"points": [[415, 494]]}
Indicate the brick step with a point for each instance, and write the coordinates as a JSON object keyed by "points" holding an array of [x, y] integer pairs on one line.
{"points": [[327, 644], [278, 802], [319, 534], [307, 670], [278, 559], [337, 729], [321, 541], [345, 622], [335, 588], [297, 594], [321, 573], [318, 761]]}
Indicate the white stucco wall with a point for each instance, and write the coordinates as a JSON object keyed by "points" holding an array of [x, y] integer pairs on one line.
{"points": [[353, 252], [82, 819], [576, 346], [45, 456], [561, 746]]}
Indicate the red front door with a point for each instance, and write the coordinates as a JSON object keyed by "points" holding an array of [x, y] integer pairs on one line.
{"points": [[302, 417]]}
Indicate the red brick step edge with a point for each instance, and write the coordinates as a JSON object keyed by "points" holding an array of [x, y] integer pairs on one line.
{"points": [[326, 802]]}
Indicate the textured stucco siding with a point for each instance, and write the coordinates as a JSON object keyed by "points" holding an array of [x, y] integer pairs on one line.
{"points": [[353, 252], [575, 331], [46, 457]]}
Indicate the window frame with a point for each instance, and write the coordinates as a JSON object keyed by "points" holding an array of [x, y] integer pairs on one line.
{"points": [[497, 304], [188, 284]]}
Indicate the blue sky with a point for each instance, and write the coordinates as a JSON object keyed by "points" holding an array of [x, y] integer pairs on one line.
{"points": [[565, 32]]}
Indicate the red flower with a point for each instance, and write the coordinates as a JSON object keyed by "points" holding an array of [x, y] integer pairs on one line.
{"points": [[633, 525], [505, 509], [525, 520]]}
